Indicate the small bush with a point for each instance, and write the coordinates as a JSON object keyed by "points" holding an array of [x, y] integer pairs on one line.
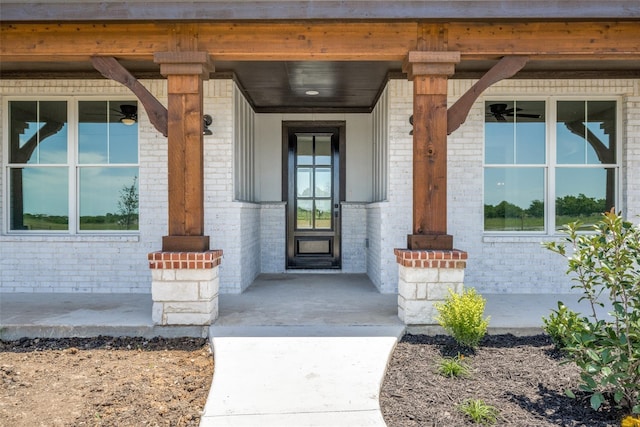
{"points": [[561, 326], [453, 366], [461, 316], [605, 264], [479, 412]]}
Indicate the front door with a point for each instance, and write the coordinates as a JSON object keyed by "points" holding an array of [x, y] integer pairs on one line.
{"points": [[313, 189]]}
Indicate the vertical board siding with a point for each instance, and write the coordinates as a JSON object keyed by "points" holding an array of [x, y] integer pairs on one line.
{"points": [[244, 148], [380, 147]]}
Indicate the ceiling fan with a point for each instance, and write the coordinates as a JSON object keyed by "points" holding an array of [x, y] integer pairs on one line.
{"points": [[129, 114], [500, 112]]}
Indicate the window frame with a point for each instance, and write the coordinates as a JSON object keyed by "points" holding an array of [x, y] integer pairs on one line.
{"points": [[550, 166], [72, 165]]}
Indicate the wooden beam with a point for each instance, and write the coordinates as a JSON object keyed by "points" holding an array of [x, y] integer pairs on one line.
{"points": [[335, 40], [429, 72], [185, 72], [544, 39], [111, 69], [507, 67]]}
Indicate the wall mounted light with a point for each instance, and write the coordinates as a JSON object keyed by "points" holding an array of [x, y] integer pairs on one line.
{"points": [[411, 122], [206, 121]]}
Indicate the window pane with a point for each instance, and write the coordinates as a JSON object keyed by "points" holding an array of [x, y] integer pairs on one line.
{"points": [[571, 132], [530, 132], [323, 182], [304, 149], [303, 182], [102, 137], [108, 198], [123, 138], [583, 194], [39, 198], [499, 133], [514, 199], [323, 150], [515, 132], [323, 214], [93, 132], [601, 132], [38, 132], [304, 219], [586, 132]]}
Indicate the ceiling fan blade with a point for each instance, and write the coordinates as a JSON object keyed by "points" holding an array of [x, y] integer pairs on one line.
{"points": [[497, 108], [530, 116]]}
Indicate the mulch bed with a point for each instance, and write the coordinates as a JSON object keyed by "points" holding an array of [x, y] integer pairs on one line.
{"points": [[523, 377]]}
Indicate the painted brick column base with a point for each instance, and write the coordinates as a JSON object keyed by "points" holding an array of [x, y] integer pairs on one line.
{"points": [[184, 287], [424, 279]]}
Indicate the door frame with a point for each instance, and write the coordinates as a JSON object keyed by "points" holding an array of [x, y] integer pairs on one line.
{"points": [[294, 126]]}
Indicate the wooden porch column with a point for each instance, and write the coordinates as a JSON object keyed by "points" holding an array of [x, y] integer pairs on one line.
{"points": [[185, 72], [429, 72]]}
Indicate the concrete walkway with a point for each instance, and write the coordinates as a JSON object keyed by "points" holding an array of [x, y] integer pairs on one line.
{"points": [[292, 350], [302, 350]]}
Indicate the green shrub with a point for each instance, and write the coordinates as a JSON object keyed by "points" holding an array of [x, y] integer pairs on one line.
{"points": [[605, 265], [479, 412], [561, 326], [461, 316], [453, 366]]}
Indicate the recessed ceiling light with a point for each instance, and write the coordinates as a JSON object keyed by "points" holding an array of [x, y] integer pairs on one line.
{"points": [[312, 92]]}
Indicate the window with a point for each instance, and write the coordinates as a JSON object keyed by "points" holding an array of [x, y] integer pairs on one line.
{"points": [[548, 163], [72, 166]]}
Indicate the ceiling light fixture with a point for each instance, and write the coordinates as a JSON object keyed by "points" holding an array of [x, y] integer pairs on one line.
{"points": [[312, 92], [129, 114]]}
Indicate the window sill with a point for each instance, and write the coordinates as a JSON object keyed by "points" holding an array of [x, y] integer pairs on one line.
{"points": [[512, 238], [124, 238]]}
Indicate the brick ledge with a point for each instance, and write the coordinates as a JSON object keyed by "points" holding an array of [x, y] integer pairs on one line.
{"points": [[185, 260], [431, 258]]}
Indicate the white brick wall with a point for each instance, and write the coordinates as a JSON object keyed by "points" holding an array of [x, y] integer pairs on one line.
{"points": [[273, 237], [354, 232], [252, 235]]}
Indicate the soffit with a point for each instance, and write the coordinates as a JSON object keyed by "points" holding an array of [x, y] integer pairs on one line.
{"points": [[349, 86]]}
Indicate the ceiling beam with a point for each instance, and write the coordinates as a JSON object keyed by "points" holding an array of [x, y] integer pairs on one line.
{"points": [[325, 41]]}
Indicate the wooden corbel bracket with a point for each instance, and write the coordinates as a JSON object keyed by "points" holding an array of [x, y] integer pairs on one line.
{"points": [[110, 68], [507, 67]]}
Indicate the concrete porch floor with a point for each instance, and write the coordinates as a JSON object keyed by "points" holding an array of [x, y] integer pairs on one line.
{"points": [[301, 300]]}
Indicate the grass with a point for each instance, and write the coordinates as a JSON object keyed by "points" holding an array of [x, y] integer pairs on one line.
{"points": [[535, 223], [44, 224], [453, 367], [479, 412]]}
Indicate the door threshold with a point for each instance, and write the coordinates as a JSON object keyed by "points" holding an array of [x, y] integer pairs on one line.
{"points": [[313, 271]]}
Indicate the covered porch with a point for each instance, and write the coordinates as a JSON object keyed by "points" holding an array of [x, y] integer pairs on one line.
{"points": [[256, 73], [325, 304]]}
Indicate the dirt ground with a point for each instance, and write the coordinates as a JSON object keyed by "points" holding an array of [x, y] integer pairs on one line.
{"points": [[104, 381], [165, 382], [522, 377]]}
